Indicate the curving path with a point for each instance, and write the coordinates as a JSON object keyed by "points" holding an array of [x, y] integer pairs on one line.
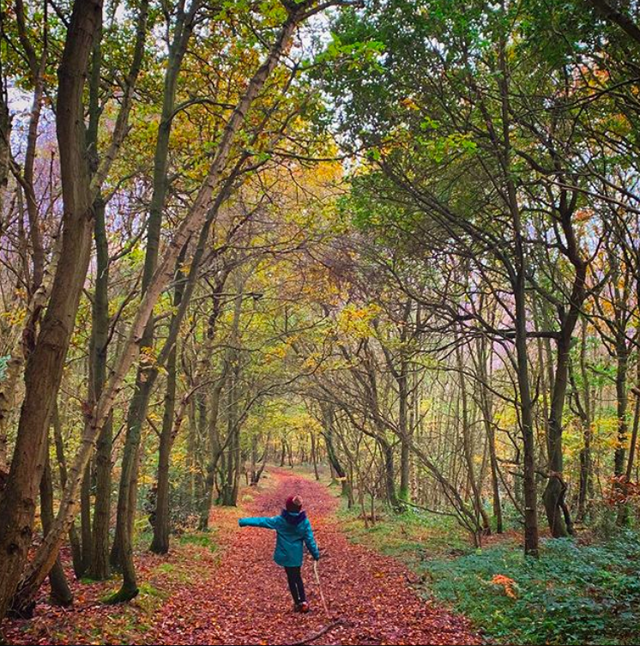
{"points": [[245, 599]]}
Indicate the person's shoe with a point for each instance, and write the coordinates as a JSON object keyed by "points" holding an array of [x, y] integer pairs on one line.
{"points": [[304, 607], [296, 607]]}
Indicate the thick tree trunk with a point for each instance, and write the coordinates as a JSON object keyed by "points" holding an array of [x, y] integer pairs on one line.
{"points": [[15, 366], [46, 362], [193, 221]]}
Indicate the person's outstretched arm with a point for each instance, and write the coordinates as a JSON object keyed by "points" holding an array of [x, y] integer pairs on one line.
{"points": [[310, 541], [259, 521]]}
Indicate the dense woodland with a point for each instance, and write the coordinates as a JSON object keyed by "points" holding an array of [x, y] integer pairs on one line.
{"points": [[397, 238]]}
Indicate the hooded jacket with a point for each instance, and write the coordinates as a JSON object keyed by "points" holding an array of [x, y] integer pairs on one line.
{"points": [[292, 530]]}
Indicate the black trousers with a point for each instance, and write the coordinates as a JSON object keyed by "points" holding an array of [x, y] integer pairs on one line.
{"points": [[296, 586]]}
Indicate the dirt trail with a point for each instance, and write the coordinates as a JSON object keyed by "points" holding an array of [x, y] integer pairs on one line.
{"points": [[246, 600]]}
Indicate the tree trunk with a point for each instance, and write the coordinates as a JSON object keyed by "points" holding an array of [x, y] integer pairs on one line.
{"points": [[161, 528], [128, 473], [98, 556], [60, 592], [619, 461], [526, 417], [283, 452], [554, 496], [327, 422], [405, 432], [389, 474], [45, 364], [583, 404], [230, 486], [214, 441], [555, 490], [467, 446], [314, 455], [623, 512], [74, 539], [486, 407], [556, 507], [621, 406], [254, 459], [123, 551], [636, 423], [518, 278], [193, 221], [100, 568], [5, 155], [85, 519]]}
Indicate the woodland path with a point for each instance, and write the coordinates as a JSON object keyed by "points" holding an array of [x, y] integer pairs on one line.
{"points": [[236, 594], [248, 602]]}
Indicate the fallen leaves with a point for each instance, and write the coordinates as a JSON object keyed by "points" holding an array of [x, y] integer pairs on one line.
{"points": [[239, 595], [508, 585]]}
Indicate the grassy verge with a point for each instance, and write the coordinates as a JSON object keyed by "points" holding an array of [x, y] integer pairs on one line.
{"points": [[410, 536], [572, 594]]}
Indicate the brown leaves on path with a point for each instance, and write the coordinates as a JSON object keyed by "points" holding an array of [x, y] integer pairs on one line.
{"points": [[247, 601], [238, 595]]}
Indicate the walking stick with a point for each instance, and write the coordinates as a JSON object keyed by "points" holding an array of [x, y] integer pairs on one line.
{"points": [[324, 603]]}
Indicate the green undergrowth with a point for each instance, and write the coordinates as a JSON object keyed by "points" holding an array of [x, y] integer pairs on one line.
{"points": [[410, 536], [202, 539], [573, 594]]}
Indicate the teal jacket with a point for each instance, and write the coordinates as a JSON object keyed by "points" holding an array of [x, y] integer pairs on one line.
{"points": [[292, 530]]}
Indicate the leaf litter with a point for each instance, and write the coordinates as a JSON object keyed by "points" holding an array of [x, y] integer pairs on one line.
{"points": [[238, 595]]}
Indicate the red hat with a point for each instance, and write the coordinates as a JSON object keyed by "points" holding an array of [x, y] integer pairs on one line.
{"points": [[293, 504]]}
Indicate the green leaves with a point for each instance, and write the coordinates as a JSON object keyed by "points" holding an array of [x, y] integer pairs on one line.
{"points": [[572, 595], [437, 149], [357, 55]]}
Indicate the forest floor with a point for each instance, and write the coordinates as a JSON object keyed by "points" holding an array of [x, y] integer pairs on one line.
{"points": [[236, 594]]}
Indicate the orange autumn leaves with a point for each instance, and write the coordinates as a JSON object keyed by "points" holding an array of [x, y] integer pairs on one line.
{"points": [[508, 585]]}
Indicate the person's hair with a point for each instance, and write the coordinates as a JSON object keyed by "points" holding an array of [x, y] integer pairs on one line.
{"points": [[294, 503]]}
